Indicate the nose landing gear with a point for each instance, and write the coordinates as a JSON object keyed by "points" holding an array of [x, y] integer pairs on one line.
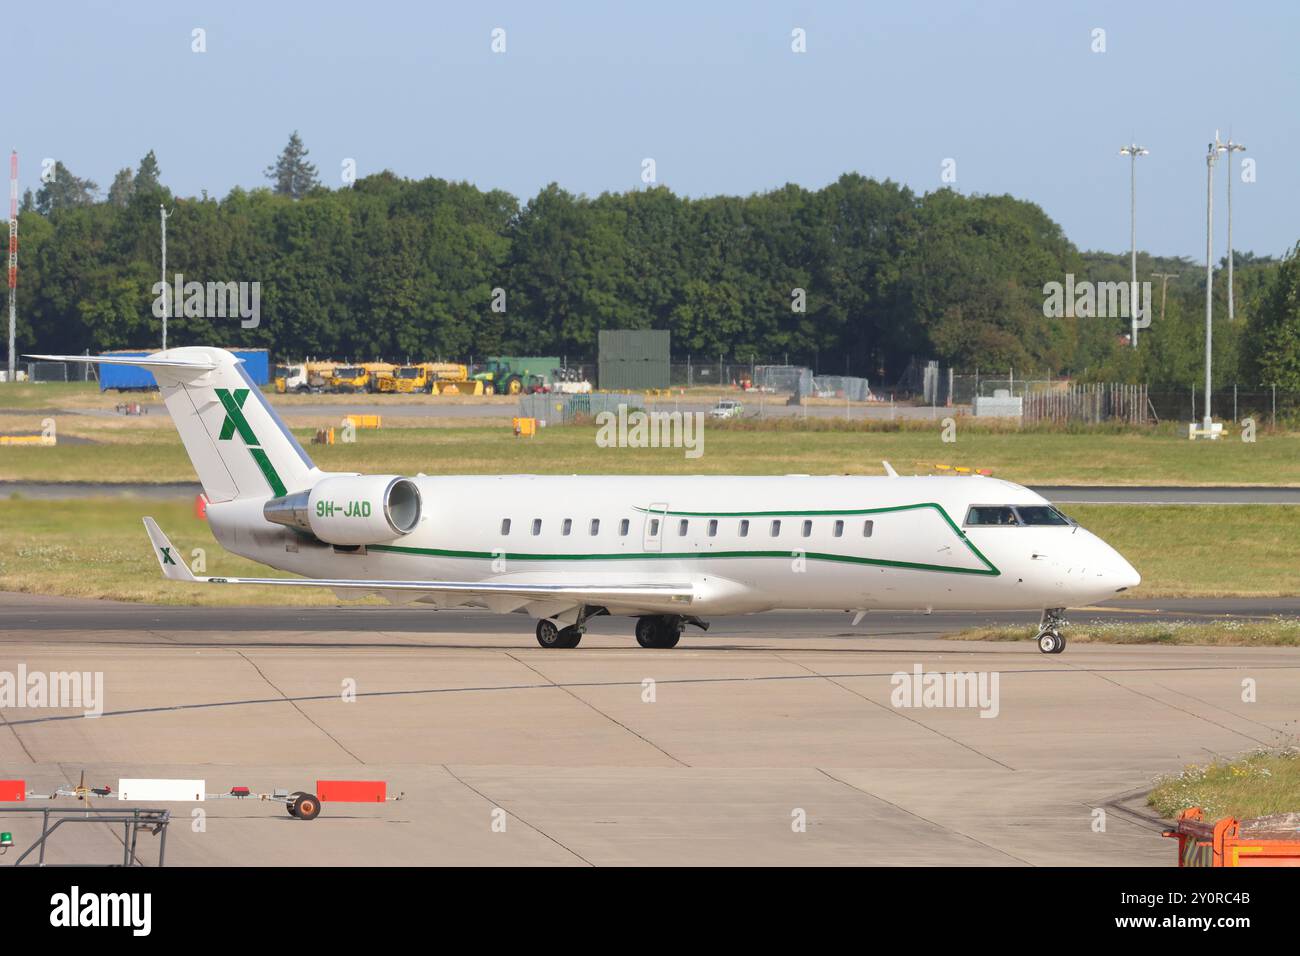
{"points": [[1050, 639]]}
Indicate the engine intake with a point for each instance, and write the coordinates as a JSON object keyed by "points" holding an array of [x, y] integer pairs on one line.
{"points": [[352, 510]]}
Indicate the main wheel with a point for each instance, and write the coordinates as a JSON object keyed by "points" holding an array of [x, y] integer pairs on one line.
{"points": [[1060, 644], [1050, 643], [569, 637], [306, 807], [658, 632], [548, 633]]}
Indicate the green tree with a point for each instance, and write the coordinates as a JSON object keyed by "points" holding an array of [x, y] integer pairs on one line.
{"points": [[64, 191], [291, 174]]}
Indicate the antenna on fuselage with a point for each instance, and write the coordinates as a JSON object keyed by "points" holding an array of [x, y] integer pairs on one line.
{"points": [[889, 469]]}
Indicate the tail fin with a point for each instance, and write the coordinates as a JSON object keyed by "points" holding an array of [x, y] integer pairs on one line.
{"points": [[239, 446]]}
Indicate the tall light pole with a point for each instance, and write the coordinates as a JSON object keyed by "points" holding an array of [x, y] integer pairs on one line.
{"points": [[167, 299], [1211, 155], [1133, 151], [1230, 147]]}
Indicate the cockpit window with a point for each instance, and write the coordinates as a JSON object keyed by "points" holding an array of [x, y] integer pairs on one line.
{"points": [[1041, 515], [982, 515], [1015, 516]]}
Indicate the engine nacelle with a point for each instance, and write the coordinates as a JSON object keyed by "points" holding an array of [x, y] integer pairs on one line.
{"points": [[351, 510]]}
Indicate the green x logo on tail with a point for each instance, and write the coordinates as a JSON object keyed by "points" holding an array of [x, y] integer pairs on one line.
{"points": [[233, 403], [166, 555]]}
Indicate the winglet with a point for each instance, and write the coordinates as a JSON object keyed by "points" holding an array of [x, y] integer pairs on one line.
{"points": [[889, 469], [173, 566]]}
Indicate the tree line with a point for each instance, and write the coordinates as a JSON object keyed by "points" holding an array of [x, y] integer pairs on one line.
{"points": [[860, 276]]}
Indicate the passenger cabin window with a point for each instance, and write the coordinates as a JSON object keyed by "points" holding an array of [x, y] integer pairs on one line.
{"points": [[839, 529], [595, 526], [654, 527], [505, 525], [682, 527], [713, 527], [567, 526], [776, 527], [537, 526], [744, 527], [867, 528], [623, 526], [807, 528], [991, 516]]}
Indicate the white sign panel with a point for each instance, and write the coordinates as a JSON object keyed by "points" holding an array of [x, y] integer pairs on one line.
{"points": [[160, 789]]}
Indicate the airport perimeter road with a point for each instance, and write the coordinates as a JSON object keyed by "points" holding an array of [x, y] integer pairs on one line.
{"points": [[609, 754], [1158, 495]]}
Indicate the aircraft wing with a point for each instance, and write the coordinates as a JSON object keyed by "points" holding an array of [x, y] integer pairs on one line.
{"points": [[541, 600]]}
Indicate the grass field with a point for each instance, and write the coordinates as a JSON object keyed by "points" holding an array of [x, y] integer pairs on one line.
{"points": [[1271, 632], [1259, 784], [97, 548], [146, 448]]}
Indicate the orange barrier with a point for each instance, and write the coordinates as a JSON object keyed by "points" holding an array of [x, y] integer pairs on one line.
{"points": [[524, 427], [352, 791], [1264, 841], [365, 421]]}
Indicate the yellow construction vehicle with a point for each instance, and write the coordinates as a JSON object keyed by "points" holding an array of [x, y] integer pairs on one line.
{"points": [[407, 379], [379, 373], [349, 378]]}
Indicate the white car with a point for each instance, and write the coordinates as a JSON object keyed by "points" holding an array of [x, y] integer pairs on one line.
{"points": [[727, 408]]}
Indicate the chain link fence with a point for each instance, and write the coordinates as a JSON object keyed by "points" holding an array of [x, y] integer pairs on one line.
{"points": [[556, 409]]}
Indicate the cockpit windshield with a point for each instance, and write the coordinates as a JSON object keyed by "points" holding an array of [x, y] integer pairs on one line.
{"points": [[1015, 516]]}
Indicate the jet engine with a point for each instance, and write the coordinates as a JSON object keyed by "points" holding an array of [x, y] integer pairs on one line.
{"points": [[351, 510]]}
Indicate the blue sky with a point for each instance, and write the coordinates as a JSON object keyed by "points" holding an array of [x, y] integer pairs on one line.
{"points": [[710, 90]]}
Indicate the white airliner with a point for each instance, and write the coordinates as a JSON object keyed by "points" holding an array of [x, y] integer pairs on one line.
{"points": [[669, 551]]}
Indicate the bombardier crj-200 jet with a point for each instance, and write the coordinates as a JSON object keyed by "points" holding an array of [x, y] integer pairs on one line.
{"points": [[668, 551]]}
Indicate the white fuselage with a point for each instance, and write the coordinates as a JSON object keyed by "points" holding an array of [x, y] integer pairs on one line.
{"points": [[745, 544]]}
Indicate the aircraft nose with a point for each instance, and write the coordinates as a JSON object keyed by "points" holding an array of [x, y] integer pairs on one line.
{"points": [[1124, 574]]}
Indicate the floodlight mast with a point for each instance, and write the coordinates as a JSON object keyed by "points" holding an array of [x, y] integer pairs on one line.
{"points": [[1133, 151]]}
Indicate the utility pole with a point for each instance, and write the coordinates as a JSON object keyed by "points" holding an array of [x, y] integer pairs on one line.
{"points": [[1164, 278], [167, 299], [1230, 147], [1211, 155], [1133, 151], [13, 260]]}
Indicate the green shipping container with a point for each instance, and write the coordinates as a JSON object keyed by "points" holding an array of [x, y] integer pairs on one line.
{"points": [[633, 358]]}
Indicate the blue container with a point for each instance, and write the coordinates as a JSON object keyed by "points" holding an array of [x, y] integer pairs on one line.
{"points": [[130, 378]]}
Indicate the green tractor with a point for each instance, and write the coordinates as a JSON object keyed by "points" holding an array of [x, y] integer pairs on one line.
{"points": [[503, 375]]}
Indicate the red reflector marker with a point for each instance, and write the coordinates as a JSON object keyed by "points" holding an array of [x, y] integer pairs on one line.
{"points": [[11, 790], [352, 791]]}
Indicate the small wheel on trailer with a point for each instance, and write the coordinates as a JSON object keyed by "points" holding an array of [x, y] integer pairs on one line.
{"points": [[305, 806], [548, 633], [292, 805]]}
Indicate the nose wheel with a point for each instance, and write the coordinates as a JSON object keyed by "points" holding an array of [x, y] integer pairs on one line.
{"points": [[1050, 640]]}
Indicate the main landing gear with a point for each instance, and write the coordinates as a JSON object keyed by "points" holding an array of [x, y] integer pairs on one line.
{"points": [[550, 634], [1050, 640], [660, 630], [652, 630]]}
